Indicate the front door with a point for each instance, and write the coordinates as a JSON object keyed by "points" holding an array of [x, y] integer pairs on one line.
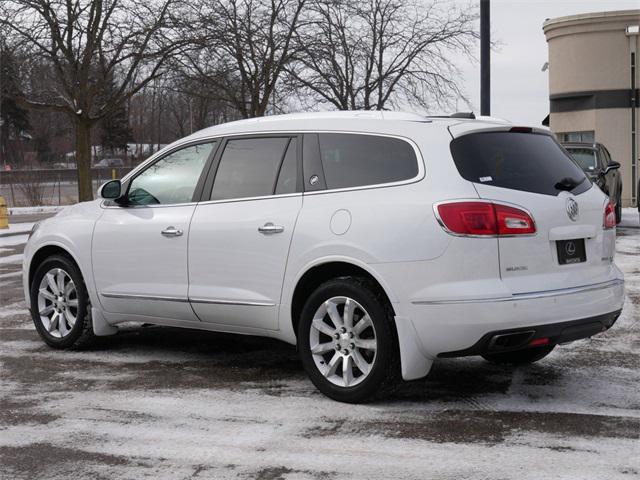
{"points": [[139, 249], [239, 240]]}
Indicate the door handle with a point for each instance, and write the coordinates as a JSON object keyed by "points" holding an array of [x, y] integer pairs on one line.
{"points": [[171, 232], [269, 228]]}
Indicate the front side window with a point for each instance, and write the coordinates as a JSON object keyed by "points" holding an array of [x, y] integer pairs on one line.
{"points": [[352, 160], [172, 179], [605, 159], [249, 168]]}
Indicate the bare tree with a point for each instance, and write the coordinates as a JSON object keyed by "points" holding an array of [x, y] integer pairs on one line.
{"points": [[368, 54], [89, 43], [244, 47]]}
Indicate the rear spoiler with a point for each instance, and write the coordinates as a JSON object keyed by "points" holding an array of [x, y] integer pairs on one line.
{"points": [[463, 128]]}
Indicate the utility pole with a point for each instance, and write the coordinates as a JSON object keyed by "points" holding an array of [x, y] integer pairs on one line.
{"points": [[485, 58], [2, 157]]}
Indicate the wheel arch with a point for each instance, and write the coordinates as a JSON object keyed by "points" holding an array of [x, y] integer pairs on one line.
{"points": [[314, 275], [46, 251]]}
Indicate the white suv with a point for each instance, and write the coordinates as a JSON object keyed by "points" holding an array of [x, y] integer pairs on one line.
{"points": [[376, 242]]}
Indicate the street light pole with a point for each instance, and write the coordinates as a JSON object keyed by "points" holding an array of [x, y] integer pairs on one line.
{"points": [[485, 58]]}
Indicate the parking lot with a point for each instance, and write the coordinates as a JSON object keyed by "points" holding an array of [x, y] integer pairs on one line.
{"points": [[162, 403]]}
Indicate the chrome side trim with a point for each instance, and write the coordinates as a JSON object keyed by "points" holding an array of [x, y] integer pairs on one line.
{"points": [[529, 295], [231, 302], [129, 296]]}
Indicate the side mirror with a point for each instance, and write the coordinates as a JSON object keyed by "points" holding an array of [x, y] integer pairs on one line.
{"points": [[110, 190], [612, 166]]}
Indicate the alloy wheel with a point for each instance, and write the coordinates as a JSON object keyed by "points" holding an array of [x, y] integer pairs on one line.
{"points": [[343, 341], [57, 303]]}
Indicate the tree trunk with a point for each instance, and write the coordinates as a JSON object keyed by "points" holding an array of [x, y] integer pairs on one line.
{"points": [[83, 159]]}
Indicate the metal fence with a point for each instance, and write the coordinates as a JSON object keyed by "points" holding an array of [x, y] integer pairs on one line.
{"points": [[53, 175], [50, 186]]}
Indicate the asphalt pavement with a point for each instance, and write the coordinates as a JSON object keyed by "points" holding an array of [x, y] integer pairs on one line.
{"points": [[164, 403]]}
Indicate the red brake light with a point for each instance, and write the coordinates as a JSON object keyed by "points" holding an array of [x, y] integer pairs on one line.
{"points": [[469, 218], [521, 130], [609, 216], [538, 342], [513, 221], [485, 219]]}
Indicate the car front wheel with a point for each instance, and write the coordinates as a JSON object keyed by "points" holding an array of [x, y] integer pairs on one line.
{"points": [[60, 306], [347, 341]]}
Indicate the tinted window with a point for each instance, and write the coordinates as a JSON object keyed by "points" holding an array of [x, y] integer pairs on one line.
{"points": [[249, 167], [520, 161], [356, 160], [585, 157], [605, 157], [288, 176], [172, 179]]}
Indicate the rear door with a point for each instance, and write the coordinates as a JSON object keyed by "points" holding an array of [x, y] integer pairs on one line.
{"points": [[239, 239], [516, 166]]}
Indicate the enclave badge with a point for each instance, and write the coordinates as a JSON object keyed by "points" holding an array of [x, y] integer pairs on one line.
{"points": [[572, 209]]}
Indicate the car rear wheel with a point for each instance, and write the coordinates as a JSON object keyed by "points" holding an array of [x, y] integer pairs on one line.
{"points": [[60, 306], [519, 357], [618, 210], [347, 341]]}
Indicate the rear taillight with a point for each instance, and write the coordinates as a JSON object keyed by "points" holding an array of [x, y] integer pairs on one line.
{"points": [[484, 219], [609, 216]]}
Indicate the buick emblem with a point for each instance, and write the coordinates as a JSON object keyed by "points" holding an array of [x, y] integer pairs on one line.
{"points": [[572, 209]]}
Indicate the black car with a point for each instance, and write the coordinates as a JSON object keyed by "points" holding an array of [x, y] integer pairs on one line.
{"points": [[595, 160]]}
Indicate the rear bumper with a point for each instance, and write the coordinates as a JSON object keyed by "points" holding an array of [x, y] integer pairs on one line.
{"points": [[517, 338], [456, 328]]}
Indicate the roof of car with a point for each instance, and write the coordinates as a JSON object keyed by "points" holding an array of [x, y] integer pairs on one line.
{"points": [[358, 120]]}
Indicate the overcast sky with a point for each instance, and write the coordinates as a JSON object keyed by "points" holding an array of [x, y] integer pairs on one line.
{"points": [[519, 89]]}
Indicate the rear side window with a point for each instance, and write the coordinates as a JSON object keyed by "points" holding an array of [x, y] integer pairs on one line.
{"points": [[351, 160], [288, 176], [519, 161], [249, 167]]}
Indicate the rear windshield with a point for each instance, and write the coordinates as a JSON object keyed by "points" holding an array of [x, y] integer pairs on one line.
{"points": [[520, 161]]}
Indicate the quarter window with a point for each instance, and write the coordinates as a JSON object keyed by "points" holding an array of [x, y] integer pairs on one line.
{"points": [[351, 160], [249, 168], [172, 179]]}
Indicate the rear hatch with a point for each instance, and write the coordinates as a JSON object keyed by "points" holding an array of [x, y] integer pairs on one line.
{"points": [[527, 168]]}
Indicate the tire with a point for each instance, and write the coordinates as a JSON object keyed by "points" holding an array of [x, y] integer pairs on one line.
{"points": [[59, 331], [618, 210], [520, 357], [380, 372]]}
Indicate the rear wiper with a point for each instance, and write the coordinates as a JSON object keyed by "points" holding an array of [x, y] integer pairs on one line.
{"points": [[568, 184]]}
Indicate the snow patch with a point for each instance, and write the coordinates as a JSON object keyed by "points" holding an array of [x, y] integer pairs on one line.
{"points": [[34, 210]]}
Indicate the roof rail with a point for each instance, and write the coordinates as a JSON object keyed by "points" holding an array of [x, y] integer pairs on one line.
{"points": [[469, 115]]}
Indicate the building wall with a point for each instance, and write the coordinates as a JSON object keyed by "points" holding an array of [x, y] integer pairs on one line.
{"points": [[589, 68]]}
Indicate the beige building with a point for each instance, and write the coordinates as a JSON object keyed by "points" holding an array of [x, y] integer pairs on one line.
{"points": [[593, 85]]}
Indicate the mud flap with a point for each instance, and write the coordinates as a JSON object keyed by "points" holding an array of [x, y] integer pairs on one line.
{"points": [[100, 326], [413, 363]]}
